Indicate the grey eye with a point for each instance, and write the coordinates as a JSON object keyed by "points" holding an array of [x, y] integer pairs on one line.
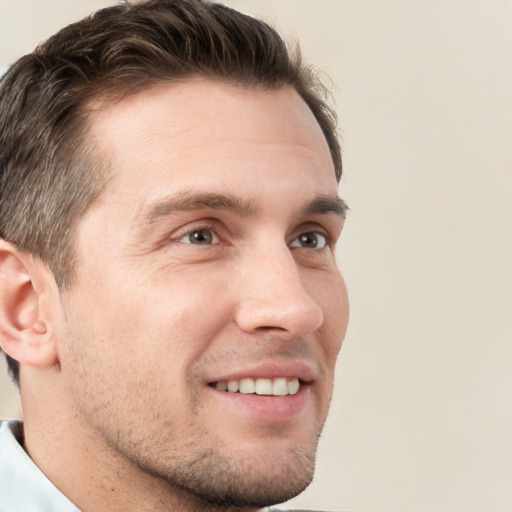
{"points": [[310, 240], [200, 237]]}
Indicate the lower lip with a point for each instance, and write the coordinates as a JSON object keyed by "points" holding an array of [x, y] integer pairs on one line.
{"points": [[266, 408]]}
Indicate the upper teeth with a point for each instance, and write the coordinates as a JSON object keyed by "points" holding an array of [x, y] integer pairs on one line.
{"points": [[279, 387]]}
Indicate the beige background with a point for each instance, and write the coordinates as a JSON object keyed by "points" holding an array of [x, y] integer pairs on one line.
{"points": [[422, 414]]}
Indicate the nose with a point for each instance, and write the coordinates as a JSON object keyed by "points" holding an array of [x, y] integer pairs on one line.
{"points": [[272, 296]]}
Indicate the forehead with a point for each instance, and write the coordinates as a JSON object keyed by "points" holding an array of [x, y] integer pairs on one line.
{"points": [[215, 135]]}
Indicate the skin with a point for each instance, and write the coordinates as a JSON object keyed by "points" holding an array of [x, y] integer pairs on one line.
{"points": [[192, 270]]}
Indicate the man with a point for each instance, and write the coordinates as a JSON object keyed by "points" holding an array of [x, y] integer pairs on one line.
{"points": [[170, 304]]}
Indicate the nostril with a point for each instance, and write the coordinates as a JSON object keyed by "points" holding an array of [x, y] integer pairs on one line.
{"points": [[265, 328]]}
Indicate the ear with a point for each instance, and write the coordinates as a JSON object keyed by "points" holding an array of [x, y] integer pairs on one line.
{"points": [[25, 326]]}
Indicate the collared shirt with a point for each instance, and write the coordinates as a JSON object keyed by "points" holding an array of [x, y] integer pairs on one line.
{"points": [[23, 486]]}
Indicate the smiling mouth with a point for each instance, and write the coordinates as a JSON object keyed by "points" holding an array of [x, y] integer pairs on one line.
{"points": [[280, 386]]}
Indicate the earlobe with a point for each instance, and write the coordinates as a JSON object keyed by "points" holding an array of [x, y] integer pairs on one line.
{"points": [[25, 327]]}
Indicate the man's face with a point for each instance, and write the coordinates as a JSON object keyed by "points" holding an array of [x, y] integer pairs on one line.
{"points": [[207, 267]]}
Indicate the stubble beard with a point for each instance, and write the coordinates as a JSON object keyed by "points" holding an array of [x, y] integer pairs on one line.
{"points": [[210, 480], [192, 467], [206, 474]]}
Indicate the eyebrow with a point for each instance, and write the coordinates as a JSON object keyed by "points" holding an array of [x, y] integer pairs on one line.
{"points": [[186, 201], [327, 204], [189, 200]]}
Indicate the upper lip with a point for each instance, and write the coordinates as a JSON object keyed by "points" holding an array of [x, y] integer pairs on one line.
{"points": [[305, 371]]}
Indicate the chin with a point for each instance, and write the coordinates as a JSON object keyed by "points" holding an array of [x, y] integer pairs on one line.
{"points": [[216, 481], [251, 485]]}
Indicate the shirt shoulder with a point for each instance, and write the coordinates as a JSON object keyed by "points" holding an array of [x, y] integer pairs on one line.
{"points": [[24, 488]]}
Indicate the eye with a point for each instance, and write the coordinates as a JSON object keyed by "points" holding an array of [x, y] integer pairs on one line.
{"points": [[202, 236], [310, 240]]}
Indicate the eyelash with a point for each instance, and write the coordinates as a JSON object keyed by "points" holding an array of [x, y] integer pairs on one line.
{"points": [[321, 238]]}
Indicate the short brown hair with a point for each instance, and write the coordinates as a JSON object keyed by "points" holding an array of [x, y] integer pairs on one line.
{"points": [[48, 175]]}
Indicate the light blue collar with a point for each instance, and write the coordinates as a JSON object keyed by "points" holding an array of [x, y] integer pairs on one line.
{"points": [[24, 487]]}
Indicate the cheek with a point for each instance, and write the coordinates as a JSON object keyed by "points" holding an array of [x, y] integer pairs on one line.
{"points": [[165, 322], [331, 295]]}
